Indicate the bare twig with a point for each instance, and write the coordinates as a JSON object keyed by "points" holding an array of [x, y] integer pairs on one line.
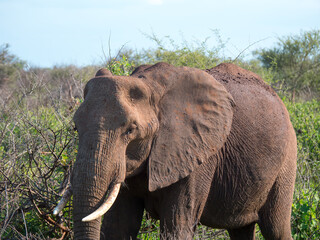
{"points": [[248, 48], [25, 224], [47, 218]]}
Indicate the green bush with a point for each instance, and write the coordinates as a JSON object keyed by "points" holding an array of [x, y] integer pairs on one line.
{"points": [[37, 149], [198, 54], [306, 213], [296, 62], [9, 66], [121, 66], [305, 117]]}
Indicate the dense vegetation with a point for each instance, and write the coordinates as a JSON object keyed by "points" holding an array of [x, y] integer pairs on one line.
{"points": [[38, 144]]}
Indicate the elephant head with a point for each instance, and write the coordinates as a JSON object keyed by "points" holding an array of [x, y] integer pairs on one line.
{"points": [[162, 119]]}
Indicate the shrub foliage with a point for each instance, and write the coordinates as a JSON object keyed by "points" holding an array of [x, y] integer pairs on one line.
{"points": [[296, 62]]}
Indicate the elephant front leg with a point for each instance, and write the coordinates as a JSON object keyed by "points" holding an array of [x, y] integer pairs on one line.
{"points": [[171, 229], [182, 205], [123, 220]]}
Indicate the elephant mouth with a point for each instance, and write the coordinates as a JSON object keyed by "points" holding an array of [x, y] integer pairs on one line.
{"points": [[110, 198]]}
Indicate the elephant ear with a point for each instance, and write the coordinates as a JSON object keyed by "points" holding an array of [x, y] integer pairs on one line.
{"points": [[195, 116]]}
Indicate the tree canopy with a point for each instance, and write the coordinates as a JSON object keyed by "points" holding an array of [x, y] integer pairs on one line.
{"points": [[295, 61]]}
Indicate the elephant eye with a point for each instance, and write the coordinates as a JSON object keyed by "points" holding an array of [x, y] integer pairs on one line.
{"points": [[136, 93], [131, 129]]}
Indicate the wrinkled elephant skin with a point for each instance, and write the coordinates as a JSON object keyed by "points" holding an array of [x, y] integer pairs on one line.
{"points": [[187, 146]]}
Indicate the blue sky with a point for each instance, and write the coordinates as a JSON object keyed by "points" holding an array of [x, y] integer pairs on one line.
{"points": [[58, 32]]}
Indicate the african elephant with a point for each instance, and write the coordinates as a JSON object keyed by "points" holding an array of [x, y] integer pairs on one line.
{"points": [[186, 145]]}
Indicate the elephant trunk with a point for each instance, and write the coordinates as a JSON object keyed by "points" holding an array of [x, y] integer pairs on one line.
{"points": [[99, 167]]}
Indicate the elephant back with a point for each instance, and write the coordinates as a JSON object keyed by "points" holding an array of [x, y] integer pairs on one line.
{"points": [[230, 74]]}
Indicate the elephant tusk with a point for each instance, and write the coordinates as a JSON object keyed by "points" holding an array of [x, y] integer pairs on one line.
{"points": [[105, 206], [63, 202]]}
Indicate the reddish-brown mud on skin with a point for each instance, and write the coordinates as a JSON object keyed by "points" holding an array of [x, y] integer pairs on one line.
{"points": [[236, 169], [103, 72], [227, 72]]}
